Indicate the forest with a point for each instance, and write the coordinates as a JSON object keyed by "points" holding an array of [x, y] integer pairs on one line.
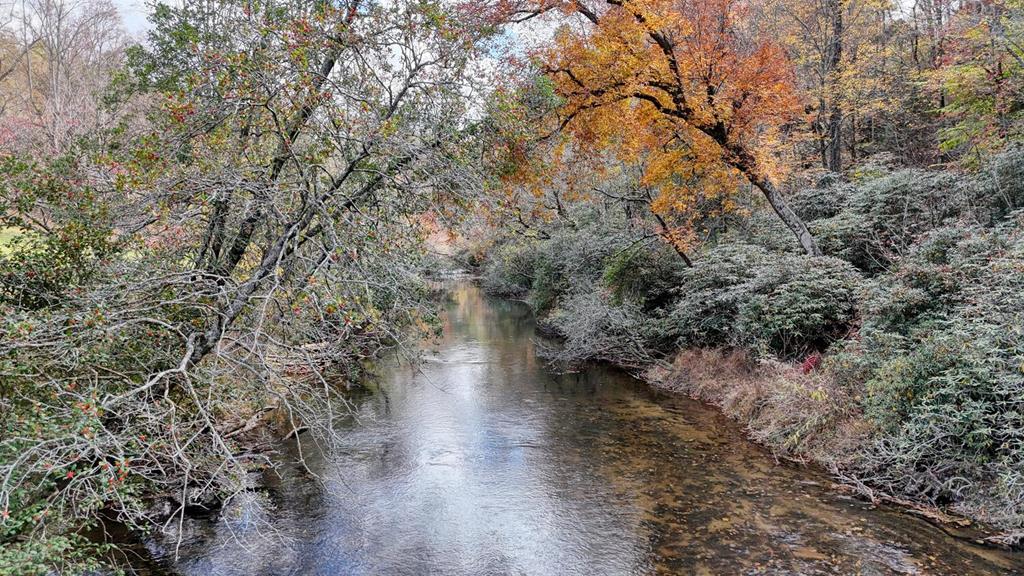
{"points": [[808, 213]]}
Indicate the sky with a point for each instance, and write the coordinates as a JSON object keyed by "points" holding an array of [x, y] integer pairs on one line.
{"points": [[133, 12]]}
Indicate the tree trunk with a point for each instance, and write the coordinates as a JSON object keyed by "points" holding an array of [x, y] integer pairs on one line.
{"points": [[820, 128], [834, 54], [853, 137], [790, 218], [666, 233], [835, 139]]}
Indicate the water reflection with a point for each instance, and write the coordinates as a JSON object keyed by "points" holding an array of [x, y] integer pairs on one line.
{"points": [[484, 463]]}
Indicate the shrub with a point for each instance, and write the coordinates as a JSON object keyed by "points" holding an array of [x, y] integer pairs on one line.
{"points": [[872, 223], [549, 282], [999, 185], [596, 328], [825, 200], [847, 237], [36, 268], [763, 229], [943, 336], [776, 303], [644, 273], [711, 293], [798, 304], [571, 259], [885, 215], [919, 289], [510, 267]]}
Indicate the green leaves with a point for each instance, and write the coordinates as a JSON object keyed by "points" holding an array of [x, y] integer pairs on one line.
{"points": [[782, 304], [58, 232]]}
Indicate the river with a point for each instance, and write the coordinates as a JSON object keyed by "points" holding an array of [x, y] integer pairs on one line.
{"points": [[484, 462]]}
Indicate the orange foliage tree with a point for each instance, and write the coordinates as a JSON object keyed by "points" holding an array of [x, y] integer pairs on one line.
{"points": [[688, 87]]}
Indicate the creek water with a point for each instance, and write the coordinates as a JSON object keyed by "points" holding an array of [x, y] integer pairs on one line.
{"points": [[484, 462]]}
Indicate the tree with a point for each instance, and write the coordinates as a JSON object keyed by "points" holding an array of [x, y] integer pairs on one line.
{"points": [[814, 33], [981, 79], [242, 255], [693, 80], [61, 57]]}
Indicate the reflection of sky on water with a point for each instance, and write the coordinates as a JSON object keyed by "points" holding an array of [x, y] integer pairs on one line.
{"points": [[469, 497]]}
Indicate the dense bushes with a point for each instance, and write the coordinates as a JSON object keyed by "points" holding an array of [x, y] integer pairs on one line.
{"points": [[36, 269], [784, 304], [602, 283], [510, 269], [644, 273], [884, 215], [595, 328], [879, 218], [916, 311], [613, 296], [1000, 185], [943, 336]]}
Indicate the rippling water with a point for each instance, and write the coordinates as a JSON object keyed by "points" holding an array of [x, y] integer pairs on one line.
{"points": [[486, 463]]}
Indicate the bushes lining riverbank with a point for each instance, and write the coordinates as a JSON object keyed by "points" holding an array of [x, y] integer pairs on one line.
{"points": [[897, 359]]}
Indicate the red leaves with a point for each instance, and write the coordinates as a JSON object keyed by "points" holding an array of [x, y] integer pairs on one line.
{"points": [[810, 363]]}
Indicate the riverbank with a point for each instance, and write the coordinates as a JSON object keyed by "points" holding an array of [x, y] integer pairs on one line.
{"points": [[801, 414], [801, 417], [894, 360]]}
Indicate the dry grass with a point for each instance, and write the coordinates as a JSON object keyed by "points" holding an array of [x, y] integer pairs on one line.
{"points": [[800, 416]]}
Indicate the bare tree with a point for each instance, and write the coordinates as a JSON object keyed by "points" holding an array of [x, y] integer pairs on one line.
{"points": [[63, 53]]}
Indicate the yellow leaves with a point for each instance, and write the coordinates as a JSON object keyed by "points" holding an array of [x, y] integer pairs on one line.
{"points": [[690, 188], [682, 237], [661, 166], [673, 202]]}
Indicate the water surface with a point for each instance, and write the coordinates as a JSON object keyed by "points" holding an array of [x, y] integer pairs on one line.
{"points": [[484, 462]]}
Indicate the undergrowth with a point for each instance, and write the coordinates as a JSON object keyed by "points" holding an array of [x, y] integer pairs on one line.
{"points": [[898, 357]]}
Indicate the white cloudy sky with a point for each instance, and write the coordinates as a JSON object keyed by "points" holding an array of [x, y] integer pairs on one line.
{"points": [[133, 12]]}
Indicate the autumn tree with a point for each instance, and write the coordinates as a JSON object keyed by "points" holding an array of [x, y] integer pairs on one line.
{"points": [[691, 84], [981, 79], [814, 33]]}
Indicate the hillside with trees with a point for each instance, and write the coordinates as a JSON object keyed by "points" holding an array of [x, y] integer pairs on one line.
{"points": [[808, 213]]}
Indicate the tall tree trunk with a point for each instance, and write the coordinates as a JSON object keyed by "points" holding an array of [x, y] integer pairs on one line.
{"points": [[835, 139], [820, 128], [834, 55], [789, 218], [853, 137]]}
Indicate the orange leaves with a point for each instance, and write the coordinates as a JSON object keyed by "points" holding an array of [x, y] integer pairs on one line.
{"points": [[689, 64], [689, 92]]}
